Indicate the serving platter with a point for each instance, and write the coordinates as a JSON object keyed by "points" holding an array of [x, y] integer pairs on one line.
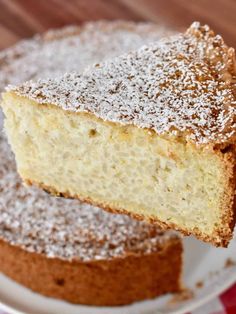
{"points": [[208, 271]]}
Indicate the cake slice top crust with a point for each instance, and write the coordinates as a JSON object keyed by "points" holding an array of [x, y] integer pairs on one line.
{"points": [[67, 229], [72, 48], [183, 85]]}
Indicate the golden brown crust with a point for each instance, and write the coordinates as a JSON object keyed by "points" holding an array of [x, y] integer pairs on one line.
{"points": [[106, 282], [228, 202], [222, 234]]}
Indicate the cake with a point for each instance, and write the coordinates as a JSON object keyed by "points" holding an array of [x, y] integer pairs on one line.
{"points": [[73, 48], [63, 248], [150, 133], [79, 253]]}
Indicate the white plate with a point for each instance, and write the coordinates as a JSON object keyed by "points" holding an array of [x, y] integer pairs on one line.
{"points": [[202, 262]]}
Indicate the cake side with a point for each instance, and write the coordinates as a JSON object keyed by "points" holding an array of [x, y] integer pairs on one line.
{"points": [[158, 178], [116, 282]]}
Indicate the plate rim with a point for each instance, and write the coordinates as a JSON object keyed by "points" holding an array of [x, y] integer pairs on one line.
{"points": [[209, 297], [195, 304]]}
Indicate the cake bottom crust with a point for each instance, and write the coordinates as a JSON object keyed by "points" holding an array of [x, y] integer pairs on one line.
{"points": [[118, 281], [221, 239]]}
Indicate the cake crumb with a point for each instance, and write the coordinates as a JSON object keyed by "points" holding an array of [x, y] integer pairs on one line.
{"points": [[229, 263], [184, 295], [199, 284]]}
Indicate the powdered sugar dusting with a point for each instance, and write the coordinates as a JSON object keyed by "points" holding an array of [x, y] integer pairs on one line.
{"points": [[67, 229], [184, 84], [72, 49]]}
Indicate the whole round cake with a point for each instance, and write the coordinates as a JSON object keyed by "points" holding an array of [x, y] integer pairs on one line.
{"points": [[63, 248]]}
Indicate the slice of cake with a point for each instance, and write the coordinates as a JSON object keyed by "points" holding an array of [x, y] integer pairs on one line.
{"points": [[150, 133], [79, 253], [73, 48]]}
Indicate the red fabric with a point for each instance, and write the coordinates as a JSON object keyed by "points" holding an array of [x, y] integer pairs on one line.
{"points": [[228, 299]]}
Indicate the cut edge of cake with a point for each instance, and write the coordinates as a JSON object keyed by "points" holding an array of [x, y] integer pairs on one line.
{"points": [[219, 237]]}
